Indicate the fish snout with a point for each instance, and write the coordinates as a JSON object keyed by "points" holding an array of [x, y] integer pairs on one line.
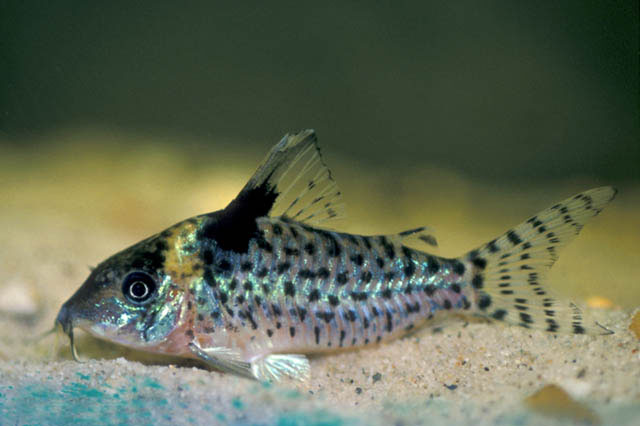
{"points": [[65, 319]]}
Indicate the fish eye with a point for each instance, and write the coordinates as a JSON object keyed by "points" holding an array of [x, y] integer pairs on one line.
{"points": [[138, 287]]}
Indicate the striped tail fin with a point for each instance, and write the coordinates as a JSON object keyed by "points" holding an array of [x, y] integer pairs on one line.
{"points": [[509, 272]]}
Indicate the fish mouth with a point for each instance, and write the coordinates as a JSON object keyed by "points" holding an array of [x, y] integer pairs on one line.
{"points": [[65, 320]]}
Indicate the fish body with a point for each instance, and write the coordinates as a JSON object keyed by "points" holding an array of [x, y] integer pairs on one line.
{"points": [[252, 288]]}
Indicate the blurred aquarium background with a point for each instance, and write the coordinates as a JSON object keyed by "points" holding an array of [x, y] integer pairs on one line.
{"points": [[118, 119]]}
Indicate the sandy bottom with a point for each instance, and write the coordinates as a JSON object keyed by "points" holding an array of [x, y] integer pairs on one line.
{"points": [[62, 212]]}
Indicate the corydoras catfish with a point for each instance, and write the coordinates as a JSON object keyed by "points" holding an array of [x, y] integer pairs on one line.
{"points": [[252, 288]]}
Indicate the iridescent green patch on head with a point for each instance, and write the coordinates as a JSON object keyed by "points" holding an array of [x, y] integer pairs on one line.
{"points": [[127, 298]]}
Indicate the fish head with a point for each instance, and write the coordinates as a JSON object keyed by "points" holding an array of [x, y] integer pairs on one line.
{"points": [[128, 299]]}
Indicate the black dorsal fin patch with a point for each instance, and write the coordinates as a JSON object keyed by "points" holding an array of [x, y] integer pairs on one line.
{"points": [[292, 182]]}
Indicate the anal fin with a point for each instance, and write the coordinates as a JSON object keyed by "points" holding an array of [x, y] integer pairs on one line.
{"points": [[277, 366]]}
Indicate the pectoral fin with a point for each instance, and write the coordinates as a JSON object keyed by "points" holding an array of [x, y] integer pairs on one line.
{"points": [[223, 359]]}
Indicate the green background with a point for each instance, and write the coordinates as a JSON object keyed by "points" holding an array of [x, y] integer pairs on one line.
{"points": [[494, 89]]}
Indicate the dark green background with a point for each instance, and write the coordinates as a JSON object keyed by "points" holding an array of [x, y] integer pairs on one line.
{"points": [[494, 89]]}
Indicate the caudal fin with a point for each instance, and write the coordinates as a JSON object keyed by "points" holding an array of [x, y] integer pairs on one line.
{"points": [[509, 272]]}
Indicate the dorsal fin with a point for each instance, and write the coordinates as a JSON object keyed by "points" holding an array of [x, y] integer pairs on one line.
{"points": [[292, 182], [300, 183]]}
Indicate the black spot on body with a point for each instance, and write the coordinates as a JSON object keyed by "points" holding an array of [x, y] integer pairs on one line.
{"points": [[386, 293], [366, 276], [477, 281], [359, 297], [326, 316], [292, 331], [209, 278], [263, 244], [479, 262], [248, 286], [342, 278], [314, 295], [389, 249], [389, 321], [367, 242], [224, 265], [289, 289], [458, 267], [351, 315], [283, 267], [246, 266], [333, 300], [306, 274], [254, 325], [357, 259], [222, 297], [333, 248], [302, 313], [323, 273], [269, 332], [432, 265], [429, 289], [233, 284], [316, 331], [466, 304], [410, 269], [484, 301], [276, 310], [291, 251], [207, 256], [310, 248], [277, 229], [342, 336], [447, 304], [493, 247], [456, 288]]}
